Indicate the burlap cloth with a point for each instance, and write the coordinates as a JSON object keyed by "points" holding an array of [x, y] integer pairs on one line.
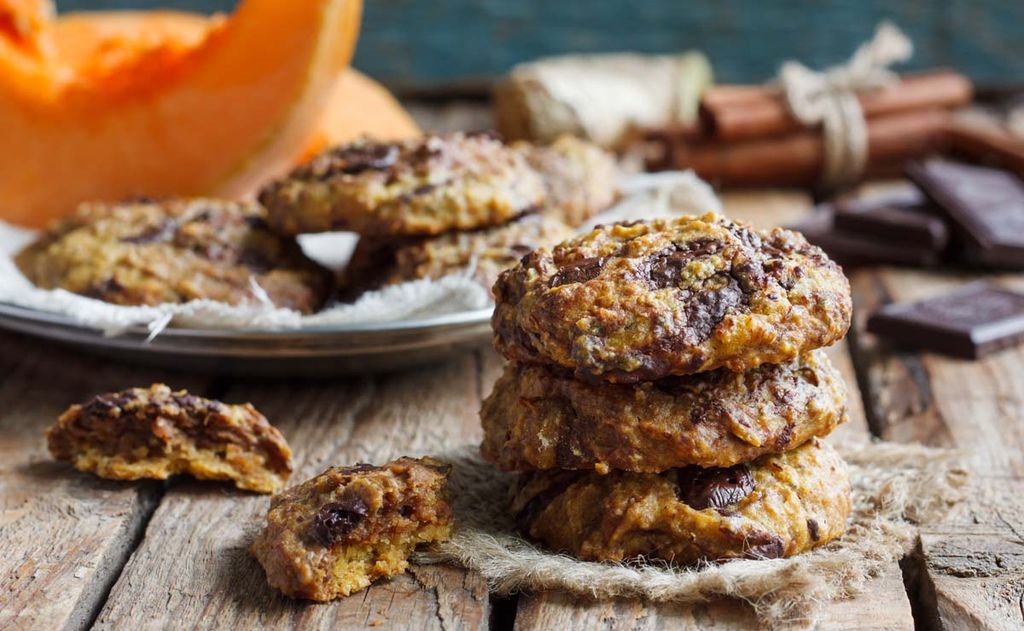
{"points": [[896, 488]]}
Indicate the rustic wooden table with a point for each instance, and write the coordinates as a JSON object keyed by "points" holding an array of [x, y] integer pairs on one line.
{"points": [[78, 552]]}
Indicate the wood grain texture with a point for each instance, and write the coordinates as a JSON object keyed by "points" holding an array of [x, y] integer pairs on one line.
{"points": [[64, 535], [457, 42], [971, 564], [193, 566], [885, 596]]}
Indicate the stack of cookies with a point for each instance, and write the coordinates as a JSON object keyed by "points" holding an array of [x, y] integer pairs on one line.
{"points": [[666, 393], [442, 204]]}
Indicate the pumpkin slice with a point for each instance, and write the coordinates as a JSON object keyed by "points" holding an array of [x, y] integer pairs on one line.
{"points": [[218, 117], [96, 42]]}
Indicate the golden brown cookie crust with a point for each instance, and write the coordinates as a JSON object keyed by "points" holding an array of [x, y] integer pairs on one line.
{"points": [[483, 253], [581, 178], [778, 506], [541, 418], [425, 186], [156, 433], [349, 526], [174, 251], [640, 301]]}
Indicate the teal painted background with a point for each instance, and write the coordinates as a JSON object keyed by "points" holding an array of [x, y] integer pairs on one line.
{"points": [[424, 44]]}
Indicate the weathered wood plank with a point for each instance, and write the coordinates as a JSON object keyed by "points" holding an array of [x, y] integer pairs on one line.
{"points": [[560, 611], [885, 596], [977, 406], [193, 566], [972, 575], [64, 535]]}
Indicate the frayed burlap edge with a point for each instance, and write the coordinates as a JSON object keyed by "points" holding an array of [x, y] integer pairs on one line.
{"points": [[895, 487]]}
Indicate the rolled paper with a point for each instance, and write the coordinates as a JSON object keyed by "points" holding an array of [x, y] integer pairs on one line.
{"points": [[602, 98]]}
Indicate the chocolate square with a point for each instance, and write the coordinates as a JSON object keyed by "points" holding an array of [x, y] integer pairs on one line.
{"points": [[906, 217], [971, 322], [854, 250], [986, 204]]}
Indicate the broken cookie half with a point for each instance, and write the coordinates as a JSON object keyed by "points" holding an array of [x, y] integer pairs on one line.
{"points": [[349, 526], [156, 433]]}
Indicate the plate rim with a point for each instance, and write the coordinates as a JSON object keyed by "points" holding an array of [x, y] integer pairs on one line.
{"points": [[435, 322]]}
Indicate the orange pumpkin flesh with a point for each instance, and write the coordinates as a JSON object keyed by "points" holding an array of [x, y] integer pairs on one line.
{"points": [[101, 43], [359, 106], [98, 42], [218, 117], [23, 23]]}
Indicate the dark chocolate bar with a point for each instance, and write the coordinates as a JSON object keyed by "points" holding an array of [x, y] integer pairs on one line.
{"points": [[971, 322], [986, 204], [854, 250], [907, 218]]}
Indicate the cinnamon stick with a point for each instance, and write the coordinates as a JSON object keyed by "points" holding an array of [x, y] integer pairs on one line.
{"points": [[796, 159], [732, 113], [988, 145]]}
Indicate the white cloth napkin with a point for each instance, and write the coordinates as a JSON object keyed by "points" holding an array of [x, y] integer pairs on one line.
{"points": [[646, 196]]}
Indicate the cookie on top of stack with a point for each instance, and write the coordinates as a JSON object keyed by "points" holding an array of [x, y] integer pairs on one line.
{"points": [[666, 394], [432, 206]]}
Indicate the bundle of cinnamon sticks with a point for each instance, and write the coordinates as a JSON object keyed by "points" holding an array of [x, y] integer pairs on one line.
{"points": [[746, 136]]}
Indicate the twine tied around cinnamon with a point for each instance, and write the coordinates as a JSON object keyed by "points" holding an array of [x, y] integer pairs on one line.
{"points": [[829, 99]]}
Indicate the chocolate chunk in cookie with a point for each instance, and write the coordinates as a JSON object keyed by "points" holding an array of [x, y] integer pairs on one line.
{"points": [[349, 526], [642, 301], [156, 433], [702, 488]]}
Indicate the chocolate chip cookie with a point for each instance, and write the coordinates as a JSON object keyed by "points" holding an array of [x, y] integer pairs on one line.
{"points": [[426, 186], [148, 253], [538, 417], [156, 433], [340, 531], [641, 301], [483, 254], [582, 179], [777, 506]]}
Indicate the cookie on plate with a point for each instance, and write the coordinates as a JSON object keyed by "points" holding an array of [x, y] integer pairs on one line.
{"points": [[777, 506], [156, 433], [426, 186], [539, 417], [173, 251], [483, 254], [640, 301], [349, 526], [582, 179]]}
